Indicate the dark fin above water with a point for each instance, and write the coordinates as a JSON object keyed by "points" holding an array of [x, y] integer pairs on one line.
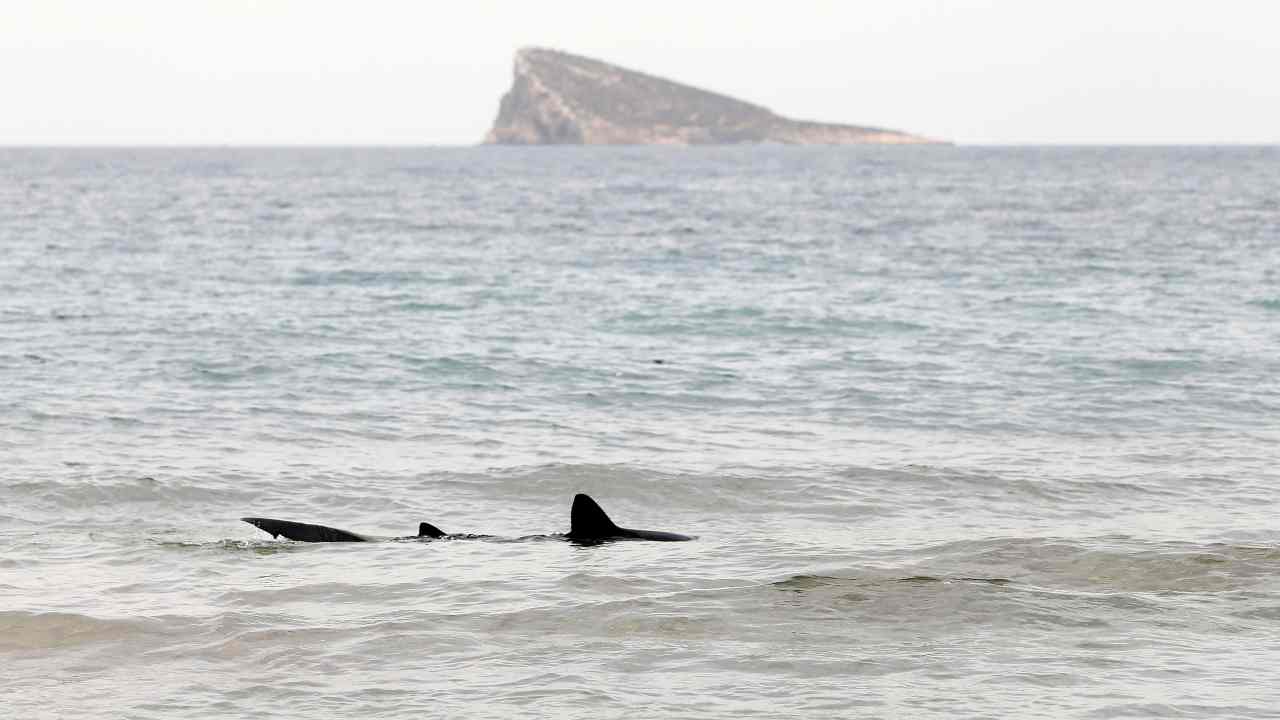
{"points": [[303, 532], [588, 522]]}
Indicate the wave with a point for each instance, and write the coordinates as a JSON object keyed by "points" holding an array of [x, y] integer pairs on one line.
{"points": [[1109, 564], [111, 493], [31, 631]]}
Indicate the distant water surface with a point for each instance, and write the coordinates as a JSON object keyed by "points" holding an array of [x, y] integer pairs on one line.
{"points": [[963, 432]]}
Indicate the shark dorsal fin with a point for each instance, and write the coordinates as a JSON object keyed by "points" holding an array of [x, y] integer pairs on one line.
{"points": [[427, 530], [587, 519]]}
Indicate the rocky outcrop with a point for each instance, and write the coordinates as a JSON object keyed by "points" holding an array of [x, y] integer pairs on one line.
{"points": [[563, 99]]}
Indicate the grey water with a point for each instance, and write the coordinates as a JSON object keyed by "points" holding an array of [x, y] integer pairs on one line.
{"points": [[962, 432]]}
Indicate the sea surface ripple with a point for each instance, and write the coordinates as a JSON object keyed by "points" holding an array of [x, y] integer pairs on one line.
{"points": [[962, 432]]}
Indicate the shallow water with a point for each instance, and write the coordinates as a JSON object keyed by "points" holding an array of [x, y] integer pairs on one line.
{"points": [[963, 432]]}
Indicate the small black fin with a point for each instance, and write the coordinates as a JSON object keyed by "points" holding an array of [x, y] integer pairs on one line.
{"points": [[427, 530], [588, 520], [303, 532]]}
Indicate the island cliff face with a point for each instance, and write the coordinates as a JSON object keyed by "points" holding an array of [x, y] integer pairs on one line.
{"points": [[563, 99]]}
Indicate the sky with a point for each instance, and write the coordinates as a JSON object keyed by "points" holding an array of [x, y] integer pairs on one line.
{"points": [[386, 72]]}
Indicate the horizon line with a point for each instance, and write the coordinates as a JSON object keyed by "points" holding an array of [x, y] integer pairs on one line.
{"points": [[452, 146]]}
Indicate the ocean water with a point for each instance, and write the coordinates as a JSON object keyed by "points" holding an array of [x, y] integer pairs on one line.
{"points": [[962, 432]]}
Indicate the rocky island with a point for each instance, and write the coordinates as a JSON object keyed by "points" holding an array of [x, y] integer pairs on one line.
{"points": [[563, 99]]}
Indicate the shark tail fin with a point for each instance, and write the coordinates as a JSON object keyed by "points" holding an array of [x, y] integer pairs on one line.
{"points": [[302, 532], [427, 530], [587, 519]]}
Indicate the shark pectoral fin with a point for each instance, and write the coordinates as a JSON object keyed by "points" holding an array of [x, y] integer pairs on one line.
{"points": [[427, 530], [302, 532]]}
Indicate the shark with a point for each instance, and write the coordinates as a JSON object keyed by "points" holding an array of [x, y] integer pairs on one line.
{"points": [[588, 524]]}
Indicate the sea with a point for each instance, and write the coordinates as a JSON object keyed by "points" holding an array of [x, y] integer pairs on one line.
{"points": [[962, 432]]}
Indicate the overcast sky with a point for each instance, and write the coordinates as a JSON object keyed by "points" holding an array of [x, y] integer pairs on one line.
{"points": [[389, 72]]}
